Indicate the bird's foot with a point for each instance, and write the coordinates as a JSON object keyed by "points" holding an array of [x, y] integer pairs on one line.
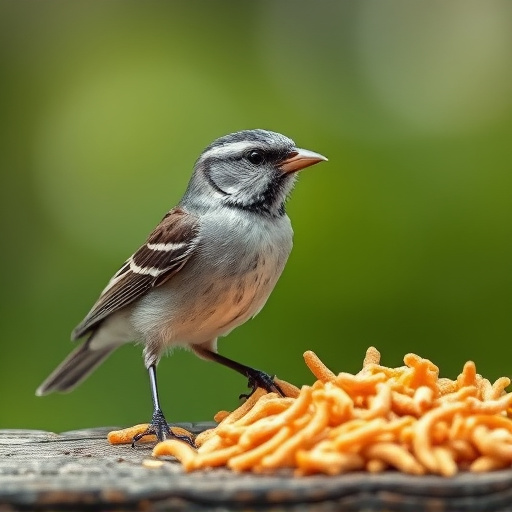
{"points": [[161, 429], [260, 379]]}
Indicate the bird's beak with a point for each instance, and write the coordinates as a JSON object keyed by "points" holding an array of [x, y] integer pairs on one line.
{"points": [[299, 159]]}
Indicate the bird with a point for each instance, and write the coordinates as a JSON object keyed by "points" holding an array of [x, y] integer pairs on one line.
{"points": [[207, 267]]}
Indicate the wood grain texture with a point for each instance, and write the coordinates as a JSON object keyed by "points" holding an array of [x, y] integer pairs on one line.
{"points": [[80, 469]]}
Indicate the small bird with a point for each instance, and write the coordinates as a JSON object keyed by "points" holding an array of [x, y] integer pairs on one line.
{"points": [[208, 266]]}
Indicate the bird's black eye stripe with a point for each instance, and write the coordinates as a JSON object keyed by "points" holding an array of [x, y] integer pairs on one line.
{"points": [[255, 156]]}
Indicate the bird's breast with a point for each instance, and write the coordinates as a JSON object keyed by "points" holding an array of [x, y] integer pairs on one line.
{"points": [[226, 282]]}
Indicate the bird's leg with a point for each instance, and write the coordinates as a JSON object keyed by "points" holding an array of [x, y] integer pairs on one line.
{"points": [[158, 426], [256, 378]]}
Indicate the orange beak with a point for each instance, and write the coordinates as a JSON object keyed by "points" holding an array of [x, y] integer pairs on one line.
{"points": [[300, 159]]}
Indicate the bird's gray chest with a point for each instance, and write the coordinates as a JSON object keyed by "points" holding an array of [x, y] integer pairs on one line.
{"points": [[237, 265]]}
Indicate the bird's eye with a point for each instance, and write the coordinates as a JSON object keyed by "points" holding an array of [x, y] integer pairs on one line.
{"points": [[256, 157]]}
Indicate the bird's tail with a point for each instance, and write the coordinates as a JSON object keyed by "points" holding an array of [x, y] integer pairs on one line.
{"points": [[75, 368]]}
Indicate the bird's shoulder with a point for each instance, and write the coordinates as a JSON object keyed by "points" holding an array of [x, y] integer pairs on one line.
{"points": [[172, 239]]}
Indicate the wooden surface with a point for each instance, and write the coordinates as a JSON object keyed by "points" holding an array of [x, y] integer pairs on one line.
{"points": [[80, 469]]}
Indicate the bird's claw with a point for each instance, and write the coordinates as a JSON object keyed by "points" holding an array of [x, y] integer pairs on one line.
{"points": [[160, 428], [259, 379]]}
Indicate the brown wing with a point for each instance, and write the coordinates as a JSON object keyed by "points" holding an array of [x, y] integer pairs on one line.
{"points": [[165, 252]]}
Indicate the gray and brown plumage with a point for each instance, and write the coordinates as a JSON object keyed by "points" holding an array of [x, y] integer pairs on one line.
{"points": [[209, 265]]}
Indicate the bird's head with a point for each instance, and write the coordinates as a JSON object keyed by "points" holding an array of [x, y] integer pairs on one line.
{"points": [[252, 170]]}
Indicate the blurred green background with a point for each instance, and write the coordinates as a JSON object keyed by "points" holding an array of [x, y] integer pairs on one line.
{"points": [[403, 240]]}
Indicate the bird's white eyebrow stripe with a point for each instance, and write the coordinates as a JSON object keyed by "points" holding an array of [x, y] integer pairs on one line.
{"points": [[170, 246], [227, 149]]}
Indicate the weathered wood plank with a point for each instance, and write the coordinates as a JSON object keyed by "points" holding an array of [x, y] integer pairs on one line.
{"points": [[80, 468]]}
